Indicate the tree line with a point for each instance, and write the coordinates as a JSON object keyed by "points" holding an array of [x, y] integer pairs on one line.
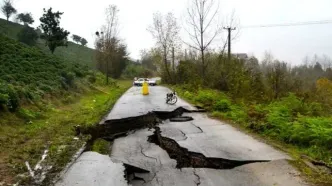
{"points": [[288, 103], [201, 60], [49, 29], [111, 51]]}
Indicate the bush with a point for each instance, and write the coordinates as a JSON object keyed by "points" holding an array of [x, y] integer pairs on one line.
{"points": [[294, 104], [68, 99], [9, 97], [315, 109], [312, 131], [92, 78], [13, 102], [68, 78], [28, 35], [223, 105], [206, 97], [188, 95], [101, 146], [27, 114]]}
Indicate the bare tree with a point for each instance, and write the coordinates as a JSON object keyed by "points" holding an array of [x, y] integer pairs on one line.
{"points": [[107, 40], [203, 28], [165, 30], [326, 61]]}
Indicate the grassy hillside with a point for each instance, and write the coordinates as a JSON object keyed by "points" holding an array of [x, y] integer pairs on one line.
{"points": [[27, 73], [73, 52], [52, 129], [42, 98]]}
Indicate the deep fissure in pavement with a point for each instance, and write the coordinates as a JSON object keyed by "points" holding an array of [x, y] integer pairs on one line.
{"points": [[186, 158], [112, 129]]}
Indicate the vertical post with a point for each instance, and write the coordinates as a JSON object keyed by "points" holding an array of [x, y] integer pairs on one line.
{"points": [[106, 71], [173, 59], [229, 29], [229, 43], [185, 54]]}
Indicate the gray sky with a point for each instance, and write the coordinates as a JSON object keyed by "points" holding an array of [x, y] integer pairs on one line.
{"points": [[291, 44]]}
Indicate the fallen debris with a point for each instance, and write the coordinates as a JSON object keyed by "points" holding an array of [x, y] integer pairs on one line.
{"points": [[40, 170]]}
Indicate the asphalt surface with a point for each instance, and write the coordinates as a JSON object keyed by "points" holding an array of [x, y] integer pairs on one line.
{"points": [[133, 103], [204, 135]]}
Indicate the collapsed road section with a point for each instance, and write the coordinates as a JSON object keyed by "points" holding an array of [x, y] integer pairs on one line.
{"points": [[113, 129], [165, 148]]}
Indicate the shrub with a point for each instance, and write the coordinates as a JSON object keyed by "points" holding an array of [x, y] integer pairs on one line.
{"points": [[68, 99], [27, 114], [188, 95], [27, 35], [310, 131], [294, 104], [92, 78], [314, 109], [223, 105], [9, 97], [206, 97], [68, 78], [278, 114], [101, 146]]}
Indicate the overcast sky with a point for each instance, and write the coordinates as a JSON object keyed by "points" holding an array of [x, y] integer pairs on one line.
{"points": [[291, 44]]}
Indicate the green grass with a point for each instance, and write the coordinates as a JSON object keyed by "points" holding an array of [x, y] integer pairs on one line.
{"points": [[298, 127], [101, 146], [28, 74], [42, 98], [72, 53], [25, 140]]}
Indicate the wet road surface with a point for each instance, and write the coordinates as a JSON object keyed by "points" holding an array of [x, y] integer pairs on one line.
{"points": [[200, 137]]}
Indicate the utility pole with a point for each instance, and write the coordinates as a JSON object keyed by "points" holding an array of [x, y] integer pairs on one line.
{"points": [[173, 59], [229, 29], [185, 54]]}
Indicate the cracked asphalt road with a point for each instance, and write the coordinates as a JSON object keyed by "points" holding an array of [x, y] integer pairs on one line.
{"points": [[210, 137]]}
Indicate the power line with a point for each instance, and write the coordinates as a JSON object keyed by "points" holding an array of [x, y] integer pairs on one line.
{"points": [[290, 24]]}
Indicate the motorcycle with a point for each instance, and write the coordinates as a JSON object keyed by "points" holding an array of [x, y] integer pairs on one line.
{"points": [[171, 98]]}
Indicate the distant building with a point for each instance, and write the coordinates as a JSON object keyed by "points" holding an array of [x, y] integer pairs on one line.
{"points": [[243, 56]]}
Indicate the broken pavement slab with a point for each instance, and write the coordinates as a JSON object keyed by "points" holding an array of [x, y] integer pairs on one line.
{"points": [[92, 168], [219, 139]]}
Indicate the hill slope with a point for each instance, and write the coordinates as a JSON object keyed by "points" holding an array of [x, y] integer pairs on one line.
{"points": [[73, 52], [27, 73]]}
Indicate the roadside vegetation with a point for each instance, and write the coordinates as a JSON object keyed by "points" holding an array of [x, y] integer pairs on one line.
{"points": [[49, 125], [48, 86], [289, 105]]}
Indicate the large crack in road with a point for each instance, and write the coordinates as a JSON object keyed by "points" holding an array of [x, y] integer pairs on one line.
{"points": [[113, 129], [186, 158]]}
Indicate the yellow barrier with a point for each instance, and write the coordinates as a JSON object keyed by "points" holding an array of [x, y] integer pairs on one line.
{"points": [[145, 88]]}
